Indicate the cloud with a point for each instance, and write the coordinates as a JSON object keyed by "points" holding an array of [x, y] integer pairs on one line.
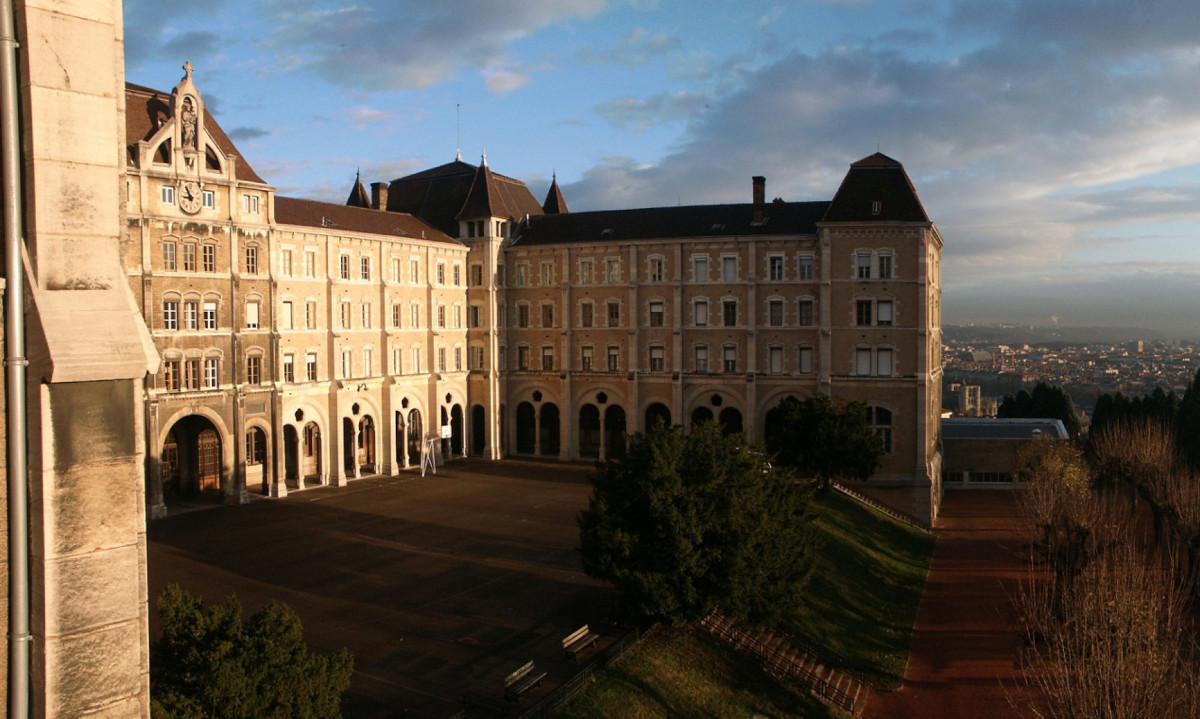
{"points": [[245, 134], [384, 44], [630, 113], [637, 48], [150, 33]]}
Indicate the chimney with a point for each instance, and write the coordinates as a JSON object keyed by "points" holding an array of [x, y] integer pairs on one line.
{"points": [[379, 192], [760, 198]]}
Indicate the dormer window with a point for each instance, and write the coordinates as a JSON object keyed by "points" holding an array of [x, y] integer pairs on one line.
{"points": [[876, 207]]}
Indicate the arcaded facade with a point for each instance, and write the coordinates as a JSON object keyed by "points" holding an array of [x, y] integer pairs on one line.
{"points": [[310, 343]]}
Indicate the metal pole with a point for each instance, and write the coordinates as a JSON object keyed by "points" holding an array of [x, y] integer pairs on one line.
{"points": [[19, 638]]}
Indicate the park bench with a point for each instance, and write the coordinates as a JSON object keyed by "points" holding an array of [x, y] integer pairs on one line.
{"points": [[522, 680], [579, 640]]}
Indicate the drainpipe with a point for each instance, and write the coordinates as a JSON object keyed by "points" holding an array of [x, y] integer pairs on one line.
{"points": [[19, 638]]}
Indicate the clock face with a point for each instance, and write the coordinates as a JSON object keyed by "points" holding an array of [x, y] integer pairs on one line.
{"points": [[189, 196]]}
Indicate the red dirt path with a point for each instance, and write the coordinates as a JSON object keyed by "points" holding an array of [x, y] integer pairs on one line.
{"points": [[966, 637]]}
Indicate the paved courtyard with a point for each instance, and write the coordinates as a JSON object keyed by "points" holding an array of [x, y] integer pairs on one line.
{"points": [[439, 585]]}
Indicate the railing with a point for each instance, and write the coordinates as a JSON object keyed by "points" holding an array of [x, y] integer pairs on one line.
{"points": [[879, 506]]}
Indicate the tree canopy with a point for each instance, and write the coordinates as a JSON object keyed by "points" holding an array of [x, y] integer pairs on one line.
{"points": [[1046, 401], [820, 438], [211, 663], [682, 523]]}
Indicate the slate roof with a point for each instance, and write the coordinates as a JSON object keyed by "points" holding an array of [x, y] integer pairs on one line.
{"points": [[359, 197], [1001, 428], [145, 111], [328, 216], [877, 178], [555, 203], [672, 222], [440, 195]]}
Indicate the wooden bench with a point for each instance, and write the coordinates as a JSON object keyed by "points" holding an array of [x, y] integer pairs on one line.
{"points": [[579, 640], [522, 680]]}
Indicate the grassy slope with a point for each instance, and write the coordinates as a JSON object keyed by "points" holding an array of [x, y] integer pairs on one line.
{"points": [[861, 603], [863, 597], [677, 673]]}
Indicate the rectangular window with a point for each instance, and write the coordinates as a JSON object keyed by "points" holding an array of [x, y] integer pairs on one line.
{"points": [[289, 368], [657, 359], [168, 194], [344, 267], [416, 360], [310, 315], [656, 269], [414, 272], [585, 314], [656, 314], [285, 263], [775, 355], [365, 312], [251, 315], [189, 258], [171, 375], [252, 260], [805, 313], [863, 263], [546, 273], [547, 359], [885, 266], [169, 256], [254, 369], [883, 362], [522, 271], [441, 273], [345, 315], [585, 272], [500, 275], [191, 374], [475, 315], [396, 313], [347, 363], [368, 362], [209, 253], [457, 316], [729, 269], [502, 359], [441, 316], [806, 360], [522, 358], [585, 358], [458, 359], [862, 362], [731, 359], [310, 263], [701, 307], [701, 358], [210, 315], [806, 267], [522, 315], [614, 314], [775, 267], [862, 312], [171, 314], [547, 315], [364, 268], [883, 312], [612, 271], [477, 358], [397, 361], [191, 315], [415, 318], [208, 198], [614, 359], [476, 275], [700, 269], [775, 313], [210, 373], [729, 311], [310, 367], [395, 270], [250, 203]]}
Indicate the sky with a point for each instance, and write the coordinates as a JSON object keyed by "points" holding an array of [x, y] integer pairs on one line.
{"points": [[1055, 143]]}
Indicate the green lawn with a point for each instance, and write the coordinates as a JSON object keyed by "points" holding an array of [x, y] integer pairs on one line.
{"points": [[863, 597], [678, 673]]}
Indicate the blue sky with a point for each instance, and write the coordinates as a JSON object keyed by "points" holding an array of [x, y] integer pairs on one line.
{"points": [[1056, 143]]}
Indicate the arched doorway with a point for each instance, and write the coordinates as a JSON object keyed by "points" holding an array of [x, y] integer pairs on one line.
{"points": [[191, 459], [478, 425], [731, 421], [526, 427], [456, 430], [701, 415], [414, 437], [291, 453], [656, 414], [256, 460], [310, 457], [549, 428], [589, 431], [366, 445], [614, 431]]}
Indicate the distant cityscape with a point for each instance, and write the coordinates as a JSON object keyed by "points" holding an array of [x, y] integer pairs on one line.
{"points": [[1087, 362]]}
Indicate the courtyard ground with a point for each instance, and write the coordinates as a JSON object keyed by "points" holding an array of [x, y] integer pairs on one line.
{"points": [[438, 585]]}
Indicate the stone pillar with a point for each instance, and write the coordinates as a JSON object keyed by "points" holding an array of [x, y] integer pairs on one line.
{"points": [[537, 429]]}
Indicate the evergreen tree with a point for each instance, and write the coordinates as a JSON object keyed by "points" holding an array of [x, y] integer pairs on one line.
{"points": [[683, 523], [211, 663], [820, 438], [1047, 402], [1187, 424]]}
